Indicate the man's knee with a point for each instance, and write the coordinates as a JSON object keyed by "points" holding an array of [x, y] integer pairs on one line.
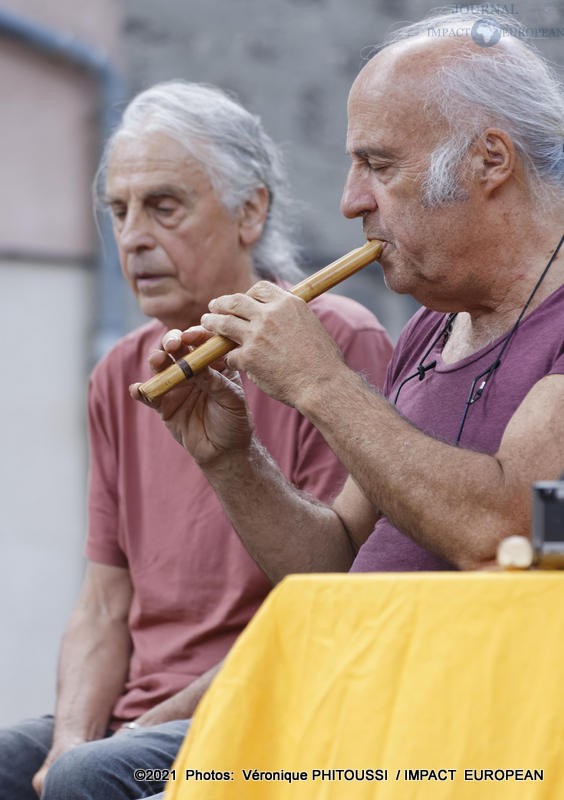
{"points": [[80, 773], [107, 768], [23, 749]]}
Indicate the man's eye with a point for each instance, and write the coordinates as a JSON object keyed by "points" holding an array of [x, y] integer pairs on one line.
{"points": [[376, 167], [118, 212], [165, 209]]}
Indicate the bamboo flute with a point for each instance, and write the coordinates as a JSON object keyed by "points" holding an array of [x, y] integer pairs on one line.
{"points": [[218, 346]]}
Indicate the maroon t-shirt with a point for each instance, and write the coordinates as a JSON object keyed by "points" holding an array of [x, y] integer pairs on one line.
{"points": [[436, 405], [152, 511]]}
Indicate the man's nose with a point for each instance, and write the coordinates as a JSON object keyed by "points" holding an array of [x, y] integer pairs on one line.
{"points": [[135, 233], [357, 198]]}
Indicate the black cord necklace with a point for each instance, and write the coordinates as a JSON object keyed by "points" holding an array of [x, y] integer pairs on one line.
{"points": [[423, 368], [484, 376]]}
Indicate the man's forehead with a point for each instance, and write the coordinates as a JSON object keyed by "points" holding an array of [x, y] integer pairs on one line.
{"points": [[147, 162], [387, 105], [384, 88], [398, 67], [153, 149], [414, 59]]}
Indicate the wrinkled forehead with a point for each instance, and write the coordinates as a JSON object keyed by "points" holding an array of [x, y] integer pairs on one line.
{"points": [[151, 146], [400, 68], [151, 151], [395, 77], [143, 163], [397, 89]]}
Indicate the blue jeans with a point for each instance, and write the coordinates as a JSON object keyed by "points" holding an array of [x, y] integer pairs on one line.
{"points": [[107, 769]]}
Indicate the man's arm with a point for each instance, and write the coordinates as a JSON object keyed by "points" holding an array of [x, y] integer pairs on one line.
{"points": [[284, 529], [181, 705], [93, 663], [455, 502]]}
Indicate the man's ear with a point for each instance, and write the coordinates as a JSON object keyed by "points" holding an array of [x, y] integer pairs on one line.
{"points": [[253, 214], [493, 159]]}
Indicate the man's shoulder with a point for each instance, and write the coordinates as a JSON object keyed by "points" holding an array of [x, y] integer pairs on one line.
{"points": [[131, 351]]}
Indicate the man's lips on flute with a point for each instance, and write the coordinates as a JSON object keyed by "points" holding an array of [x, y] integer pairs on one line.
{"points": [[384, 242]]}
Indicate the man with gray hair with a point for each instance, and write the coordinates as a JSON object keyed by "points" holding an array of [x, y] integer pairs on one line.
{"points": [[458, 167], [197, 196]]}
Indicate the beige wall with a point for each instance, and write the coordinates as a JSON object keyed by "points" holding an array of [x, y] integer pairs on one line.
{"points": [[48, 130], [42, 473], [47, 239]]}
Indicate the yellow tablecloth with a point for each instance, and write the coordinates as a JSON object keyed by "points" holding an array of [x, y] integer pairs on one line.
{"points": [[397, 686]]}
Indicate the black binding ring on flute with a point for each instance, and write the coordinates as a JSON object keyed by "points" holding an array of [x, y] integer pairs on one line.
{"points": [[185, 367]]}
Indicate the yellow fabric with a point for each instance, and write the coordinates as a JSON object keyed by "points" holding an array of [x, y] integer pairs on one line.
{"points": [[398, 672]]}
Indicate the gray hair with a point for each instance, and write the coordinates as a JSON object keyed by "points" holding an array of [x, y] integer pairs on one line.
{"points": [[510, 86], [231, 145]]}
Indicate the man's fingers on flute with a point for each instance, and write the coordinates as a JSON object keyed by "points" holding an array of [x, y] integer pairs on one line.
{"points": [[233, 328], [172, 340], [238, 305], [160, 359], [135, 394], [195, 335], [176, 339], [264, 291]]}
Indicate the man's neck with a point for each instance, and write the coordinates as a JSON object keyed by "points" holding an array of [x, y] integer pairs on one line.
{"points": [[526, 283]]}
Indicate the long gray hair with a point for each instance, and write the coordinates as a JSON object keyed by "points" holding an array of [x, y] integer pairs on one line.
{"points": [[231, 145], [508, 85]]}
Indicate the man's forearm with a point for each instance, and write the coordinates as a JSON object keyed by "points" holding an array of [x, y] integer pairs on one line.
{"points": [[282, 528], [181, 705], [93, 669]]}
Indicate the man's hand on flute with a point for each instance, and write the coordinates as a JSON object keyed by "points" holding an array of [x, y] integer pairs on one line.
{"points": [[208, 414], [283, 347]]}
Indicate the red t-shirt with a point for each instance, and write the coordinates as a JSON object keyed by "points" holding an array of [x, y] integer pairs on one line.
{"points": [[152, 511]]}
